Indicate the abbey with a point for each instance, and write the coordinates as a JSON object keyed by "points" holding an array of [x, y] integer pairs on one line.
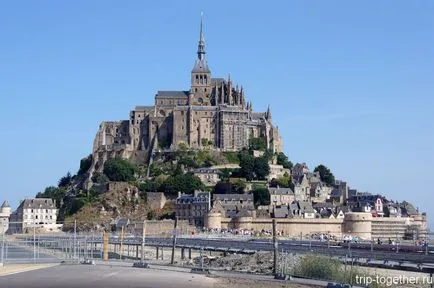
{"points": [[212, 113]]}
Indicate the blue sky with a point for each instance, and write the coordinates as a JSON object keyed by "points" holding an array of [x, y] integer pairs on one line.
{"points": [[350, 83]]}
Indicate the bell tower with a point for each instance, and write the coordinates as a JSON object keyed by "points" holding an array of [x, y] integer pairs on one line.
{"points": [[201, 75]]}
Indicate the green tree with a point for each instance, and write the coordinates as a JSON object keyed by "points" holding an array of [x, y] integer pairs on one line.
{"points": [[65, 180], [247, 165], [282, 159], [259, 143], [238, 186], [225, 174], [284, 181], [261, 168], [88, 197], [55, 193], [186, 183], [182, 146], [261, 196], [325, 174], [119, 169]]}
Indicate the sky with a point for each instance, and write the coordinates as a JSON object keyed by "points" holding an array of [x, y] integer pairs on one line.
{"points": [[350, 83]]}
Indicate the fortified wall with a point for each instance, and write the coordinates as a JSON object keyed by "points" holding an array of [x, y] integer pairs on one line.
{"points": [[361, 225]]}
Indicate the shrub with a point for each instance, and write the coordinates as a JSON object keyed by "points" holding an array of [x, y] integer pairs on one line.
{"points": [[318, 267], [119, 169]]}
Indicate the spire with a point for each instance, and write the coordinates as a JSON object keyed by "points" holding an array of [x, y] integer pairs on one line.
{"points": [[201, 46], [268, 112]]}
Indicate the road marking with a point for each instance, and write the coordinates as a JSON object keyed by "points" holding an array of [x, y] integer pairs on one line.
{"points": [[23, 269]]}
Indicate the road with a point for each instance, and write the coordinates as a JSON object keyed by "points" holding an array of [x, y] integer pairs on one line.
{"points": [[17, 253], [68, 276], [300, 247]]}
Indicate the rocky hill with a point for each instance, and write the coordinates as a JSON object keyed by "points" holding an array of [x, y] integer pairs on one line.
{"points": [[121, 200]]}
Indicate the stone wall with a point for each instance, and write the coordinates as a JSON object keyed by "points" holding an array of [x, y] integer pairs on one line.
{"points": [[361, 225], [290, 227], [163, 227]]}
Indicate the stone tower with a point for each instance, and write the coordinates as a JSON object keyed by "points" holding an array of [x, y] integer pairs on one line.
{"points": [[200, 93]]}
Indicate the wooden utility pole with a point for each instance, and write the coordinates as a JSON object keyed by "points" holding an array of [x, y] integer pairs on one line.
{"points": [[122, 243], [105, 246]]}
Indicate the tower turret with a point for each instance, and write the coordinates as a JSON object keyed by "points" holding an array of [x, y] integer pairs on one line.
{"points": [[6, 208]]}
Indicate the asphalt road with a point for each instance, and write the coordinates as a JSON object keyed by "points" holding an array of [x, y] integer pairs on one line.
{"points": [[236, 246], [16, 252], [71, 276]]}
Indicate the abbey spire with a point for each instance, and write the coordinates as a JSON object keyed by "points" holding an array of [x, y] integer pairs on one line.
{"points": [[200, 75], [201, 46]]}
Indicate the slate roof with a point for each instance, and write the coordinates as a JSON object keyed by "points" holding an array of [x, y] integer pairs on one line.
{"points": [[5, 204], [38, 203], [237, 197], [281, 212], [144, 108], [244, 213], [174, 94], [217, 80], [206, 170], [408, 208], [343, 208], [280, 191], [335, 193], [258, 115], [201, 66], [323, 205], [306, 207]]}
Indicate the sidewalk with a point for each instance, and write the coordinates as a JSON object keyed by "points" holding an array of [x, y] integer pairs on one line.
{"points": [[19, 268]]}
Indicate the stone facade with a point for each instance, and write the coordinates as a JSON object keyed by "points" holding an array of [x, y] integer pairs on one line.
{"points": [[40, 213], [212, 113], [362, 225], [193, 208]]}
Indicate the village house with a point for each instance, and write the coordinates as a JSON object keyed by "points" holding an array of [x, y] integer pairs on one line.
{"points": [[193, 208], [232, 204], [301, 187], [39, 213], [281, 196]]}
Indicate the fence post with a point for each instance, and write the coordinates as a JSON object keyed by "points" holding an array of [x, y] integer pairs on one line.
{"points": [[75, 239], [174, 241], [276, 246], [3, 249], [34, 242], [143, 241]]}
